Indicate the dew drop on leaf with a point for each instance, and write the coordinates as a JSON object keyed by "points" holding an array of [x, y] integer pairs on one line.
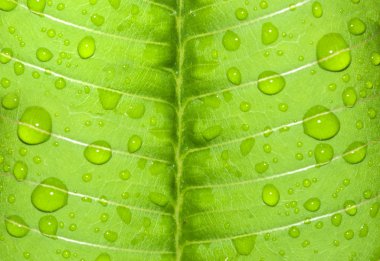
{"points": [[356, 26], [60, 83], [109, 99], [312, 204], [270, 82], [244, 245], [241, 13], [20, 170], [294, 232], [8, 5], [317, 9], [212, 132], [323, 153], [10, 101], [261, 167], [16, 226], [333, 52], [18, 68], [336, 219], [115, 3], [374, 209], [270, 195], [97, 19], [134, 143], [36, 5], [50, 195], [35, 125], [349, 97], [43, 54], [48, 226], [320, 123], [136, 110], [6, 55], [103, 257], [110, 236], [355, 152], [246, 146], [349, 234], [269, 33], [363, 231], [98, 152], [231, 41], [375, 58], [158, 199], [234, 75], [124, 174], [86, 47], [124, 214], [350, 207]]}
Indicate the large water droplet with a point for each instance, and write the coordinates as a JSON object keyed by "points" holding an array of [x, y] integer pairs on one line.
{"points": [[231, 41], [35, 125], [36, 5], [115, 3], [312, 204], [6, 55], [244, 245], [109, 99], [270, 82], [134, 143], [43, 54], [333, 52], [270, 195], [10, 101], [294, 232], [234, 75], [356, 26], [48, 226], [323, 153], [136, 110], [355, 152], [50, 195], [317, 9], [350, 207], [16, 226], [86, 47], [269, 33], [349, 97], [320, 123], [98, 152], [8, 5]]}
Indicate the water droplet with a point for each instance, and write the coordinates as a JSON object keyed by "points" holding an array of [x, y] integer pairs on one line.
{"points": [[320, 123], [270, 195], [10, 101], [212, 132], [125, 214], [8, 5], [103, 257], [60, 83], [244, 245], [50, 195], [48, 226], [110, 236], [312, 204], [294, 232], [375, 58], [349, 234], [15, 225], [246, 146], [269, 33], [134, 143], [356, 26], [261, 167], [355, 152], [136, 110], [43, 54], [323, 153], [98, 152], [20, 170], [231, 41], [18, 68], [114, 3], [125, 174], [86, 47], [270, 82], [245, 106], [336, 219], [36, 5], [372, 113], [234, 76], [158, 199], [35, 125], [374, 209], [333, 53], [363, 231], [6, 54], [109, 99], [350, 207], [241, 13], [349, 97], [317, 9], [97, 19]]}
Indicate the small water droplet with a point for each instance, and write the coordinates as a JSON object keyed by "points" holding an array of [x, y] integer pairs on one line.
{"points": [[20, 170], [110, 236], [36, 5], [103, 257], [234, 75], [212, 132], [336, 219], [350, 207], [7, 5], [294, 232], [356, 26], [317, 9], [43, 54], [158, 199], [349, 97], [10, 101], [270, 195], [97, 19], [244, 245], [241, 13], [136, 110], [134, 143], [125, 214], [246, 146]]}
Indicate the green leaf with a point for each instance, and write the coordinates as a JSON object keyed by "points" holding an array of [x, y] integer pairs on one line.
{"points": [[189, 130]]}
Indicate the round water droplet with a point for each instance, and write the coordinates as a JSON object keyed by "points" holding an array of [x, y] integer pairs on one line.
{"points": [[48, 226], [317, 9], [8, 5], [320, 123], [270, 195], [125, 214], [134, 143], [312, 204], [270, 82], [350, 207], [36, 5], [60, 83], [16, 226], [231, 41], [333, 52], [323, 153], [349, 97], [109, 99], [261, 167], [241, 13], [349, 234], [375, 58], [97, 19], [356, 26], [103, 257], [136, 110], [86, 47], [98, 152], [20, 170], [355, 152], [269, 33], [35, 125], [244, 245], [336, 219], [43, 54], [10, 101], [6, 55], [234, 76], [125, 174], [294, 232], [110, 236], [50, 195], [18, 68]]}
